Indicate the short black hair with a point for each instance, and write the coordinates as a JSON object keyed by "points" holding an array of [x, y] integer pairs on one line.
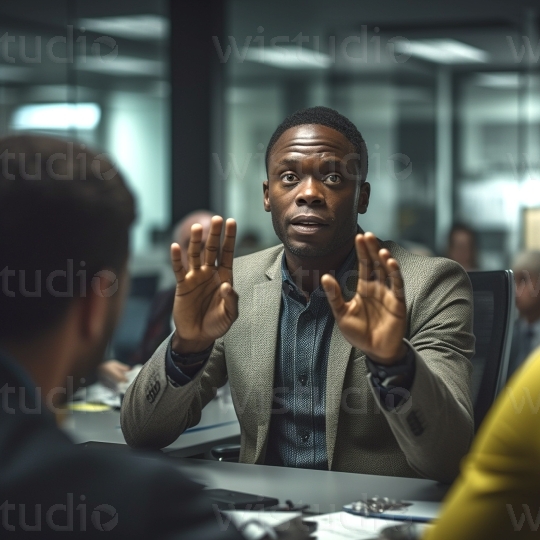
{"points": [[65, 215], [324, 116]]}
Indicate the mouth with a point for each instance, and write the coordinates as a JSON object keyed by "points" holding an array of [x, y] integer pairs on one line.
{"points": [[308, 224]]}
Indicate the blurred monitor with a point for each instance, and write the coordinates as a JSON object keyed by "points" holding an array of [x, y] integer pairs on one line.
{"points": [[531, 228]]}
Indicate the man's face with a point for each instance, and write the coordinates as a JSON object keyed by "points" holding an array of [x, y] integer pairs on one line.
{"points": [[314, 191], [527, 292], [462, 249]]}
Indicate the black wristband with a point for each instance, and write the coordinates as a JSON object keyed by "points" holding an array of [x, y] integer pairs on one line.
{"points": [[191, 359], [388, 376]]}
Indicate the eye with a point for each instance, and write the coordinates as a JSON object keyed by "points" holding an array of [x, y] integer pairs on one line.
{"points": [[332, 179], [289, 178]]}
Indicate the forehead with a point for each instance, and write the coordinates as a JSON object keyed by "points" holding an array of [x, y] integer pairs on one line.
{"points": [[312, 139]]}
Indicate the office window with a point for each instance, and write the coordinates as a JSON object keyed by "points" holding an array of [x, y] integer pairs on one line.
{"points": [[448, 105], [96, 71]]}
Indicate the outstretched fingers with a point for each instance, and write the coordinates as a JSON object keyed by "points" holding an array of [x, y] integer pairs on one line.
{"points": [[212, 244], [176, 261], [194, 249], [394, 275], [227, 250], [365, 263]]}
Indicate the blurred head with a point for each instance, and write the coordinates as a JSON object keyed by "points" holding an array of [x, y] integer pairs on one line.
{"points": [[317, 166], [65, 214], [526, 267], [182, 231], [462, 246]]}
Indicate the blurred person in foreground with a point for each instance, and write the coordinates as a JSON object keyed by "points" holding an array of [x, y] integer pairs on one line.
{"points": [[65, 215], [159, 325], [463, 247], [343, 352], [526, 336], [497, 496]]}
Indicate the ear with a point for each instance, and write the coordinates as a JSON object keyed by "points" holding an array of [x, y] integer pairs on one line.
{"points": [[363, 200], [266, 191], [95, 304]]}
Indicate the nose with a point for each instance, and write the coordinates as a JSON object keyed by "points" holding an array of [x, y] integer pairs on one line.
{"points": [[310, 193]]}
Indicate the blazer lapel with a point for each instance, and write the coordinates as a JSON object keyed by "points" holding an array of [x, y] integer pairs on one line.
{"points": [[338, 360], [264, 335]]}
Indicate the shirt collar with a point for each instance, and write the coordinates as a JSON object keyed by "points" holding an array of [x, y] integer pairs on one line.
{"points": [[346, 266]]}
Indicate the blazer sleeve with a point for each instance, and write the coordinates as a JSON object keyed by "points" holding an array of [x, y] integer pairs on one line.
{"points": [[434, 427], [155, 412]]}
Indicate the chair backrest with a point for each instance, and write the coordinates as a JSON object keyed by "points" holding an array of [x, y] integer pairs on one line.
{"points": [[494, 297]]}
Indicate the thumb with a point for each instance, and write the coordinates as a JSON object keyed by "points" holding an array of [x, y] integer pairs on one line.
{"points": [[230, 299], [334, 296]]}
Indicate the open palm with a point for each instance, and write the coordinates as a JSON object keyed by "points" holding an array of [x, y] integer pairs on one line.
{"points": [[374, 320], [205, 304]]}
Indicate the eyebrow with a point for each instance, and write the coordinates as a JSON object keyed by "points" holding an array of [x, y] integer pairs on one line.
{"points": [[324, 161]]}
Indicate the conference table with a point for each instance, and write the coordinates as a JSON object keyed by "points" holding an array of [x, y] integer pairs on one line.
{"points": [[325, 491], [218, 425]]}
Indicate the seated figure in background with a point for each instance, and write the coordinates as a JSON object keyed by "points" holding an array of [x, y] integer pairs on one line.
{"points": [[463, 247], [111, 372], [526, 336]]}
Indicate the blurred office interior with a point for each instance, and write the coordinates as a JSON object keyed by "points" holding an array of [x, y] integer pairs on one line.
{"points": [[185, 95]]}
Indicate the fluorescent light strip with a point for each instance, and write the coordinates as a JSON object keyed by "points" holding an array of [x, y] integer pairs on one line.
{"points": [[442, 51], [121, 66], [498, 80], [140, 27], [289, 57], [61, 116]]}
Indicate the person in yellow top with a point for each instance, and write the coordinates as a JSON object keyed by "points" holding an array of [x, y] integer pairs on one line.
{"points": [[497, 495]]}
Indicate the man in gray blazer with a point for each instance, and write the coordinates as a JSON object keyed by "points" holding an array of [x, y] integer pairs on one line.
{"points": [[343, 352]]}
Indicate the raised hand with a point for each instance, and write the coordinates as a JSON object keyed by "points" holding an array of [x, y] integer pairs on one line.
{"points": [[205, 305], [374, 320]]}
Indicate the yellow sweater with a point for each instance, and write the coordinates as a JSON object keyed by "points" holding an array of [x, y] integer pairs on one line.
{"points": [[497, 495]]}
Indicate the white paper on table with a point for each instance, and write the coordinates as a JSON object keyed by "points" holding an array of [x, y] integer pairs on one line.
{"points": [[254, 531], [342, 525], [100, 393]]}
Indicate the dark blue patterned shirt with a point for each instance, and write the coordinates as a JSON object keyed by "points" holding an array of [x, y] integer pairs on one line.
{"points": [[297, 436]]}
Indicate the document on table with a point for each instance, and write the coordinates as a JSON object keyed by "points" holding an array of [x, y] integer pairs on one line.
{"points": [[344, 526], [99, 393], [336, 526]]}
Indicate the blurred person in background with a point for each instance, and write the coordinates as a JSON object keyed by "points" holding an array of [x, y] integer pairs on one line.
{"points": [[526, 337], [64, 234], [463, 247], [159, 326]]}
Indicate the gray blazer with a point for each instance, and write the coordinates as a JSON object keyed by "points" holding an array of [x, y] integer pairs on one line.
{"points": [[426, 436]]}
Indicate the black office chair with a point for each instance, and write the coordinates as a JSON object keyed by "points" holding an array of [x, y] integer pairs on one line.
{"points": [[494, 297]]}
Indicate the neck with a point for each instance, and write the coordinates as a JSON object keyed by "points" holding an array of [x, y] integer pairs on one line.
{"points": [[306, 272], [532, 318], [46, 360]]}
